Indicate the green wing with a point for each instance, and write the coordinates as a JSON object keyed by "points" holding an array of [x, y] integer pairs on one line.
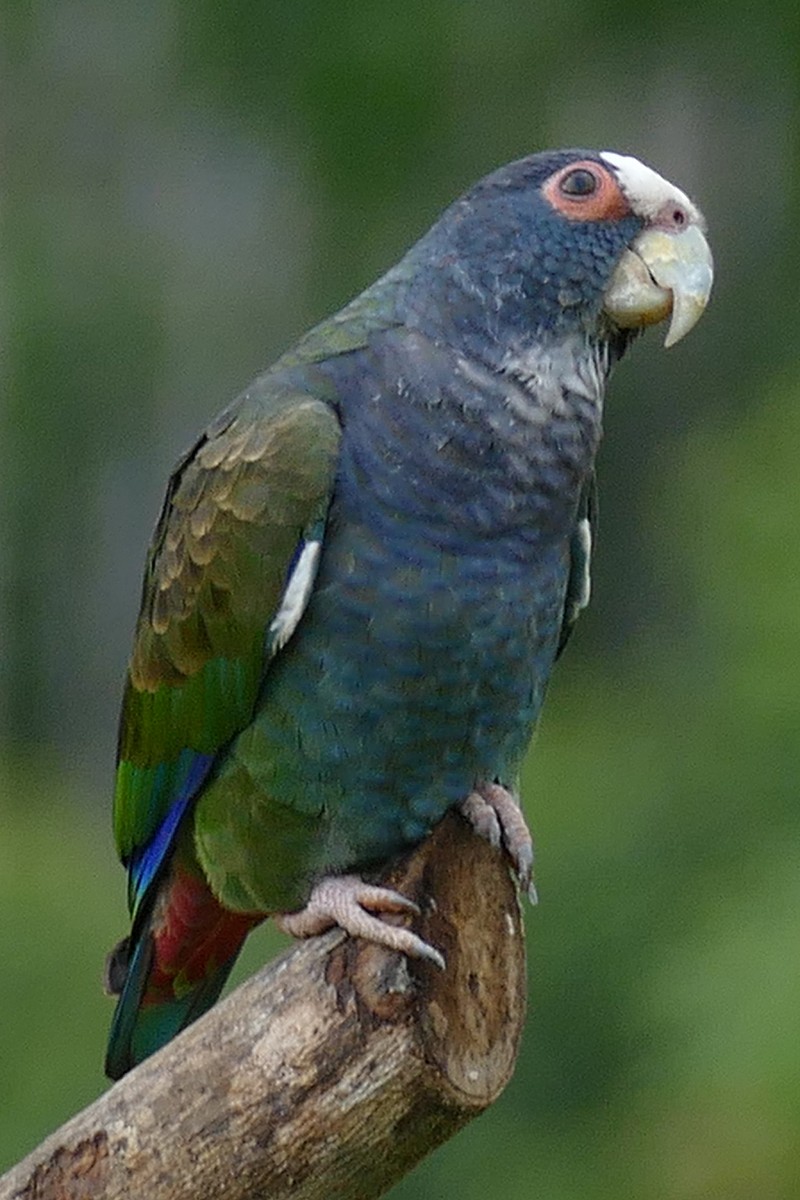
{"points": [[243, 508]]}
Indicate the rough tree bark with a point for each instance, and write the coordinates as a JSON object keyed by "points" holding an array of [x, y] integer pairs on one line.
{"points": [[330, 1073]]}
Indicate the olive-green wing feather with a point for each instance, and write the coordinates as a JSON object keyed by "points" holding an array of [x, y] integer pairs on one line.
{"points": [[243, 509]]}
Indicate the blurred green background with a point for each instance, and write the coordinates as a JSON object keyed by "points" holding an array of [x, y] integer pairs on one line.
{"points": [[186, 187]]}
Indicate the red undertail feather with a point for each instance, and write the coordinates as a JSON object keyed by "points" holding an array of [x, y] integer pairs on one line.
{"points": [[192, 934]]}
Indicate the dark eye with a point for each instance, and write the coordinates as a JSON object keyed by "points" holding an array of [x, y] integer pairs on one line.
{"points": [[580, 182]]}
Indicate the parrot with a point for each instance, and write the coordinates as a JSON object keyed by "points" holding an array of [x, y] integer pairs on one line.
{"points": [[364, 571]]}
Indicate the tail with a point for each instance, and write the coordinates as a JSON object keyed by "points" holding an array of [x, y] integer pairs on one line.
{"points": [[172, 968]]}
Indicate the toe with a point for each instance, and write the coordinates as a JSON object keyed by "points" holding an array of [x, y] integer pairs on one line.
{"points": [[483, 818], [509, 828], [346, 901], [379, 899]]}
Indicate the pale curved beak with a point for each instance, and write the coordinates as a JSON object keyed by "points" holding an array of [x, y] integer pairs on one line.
{"points": [[662, 273]]}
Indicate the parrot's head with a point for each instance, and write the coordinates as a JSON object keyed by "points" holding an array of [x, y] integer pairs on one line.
{"points": [[570, 241]]}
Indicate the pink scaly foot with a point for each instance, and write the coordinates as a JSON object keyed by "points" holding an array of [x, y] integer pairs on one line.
{"points": [[343, 900], [495, 814]]}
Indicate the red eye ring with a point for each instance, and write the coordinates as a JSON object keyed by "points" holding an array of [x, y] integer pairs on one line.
{"points": [[567, 192]]}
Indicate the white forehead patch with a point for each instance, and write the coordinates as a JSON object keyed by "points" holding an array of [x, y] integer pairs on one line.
{"points": [[648, 192]]}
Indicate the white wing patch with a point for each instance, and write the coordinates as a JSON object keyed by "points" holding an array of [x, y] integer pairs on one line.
{"points": [[295, 598], [584, 532], [648, 192]]}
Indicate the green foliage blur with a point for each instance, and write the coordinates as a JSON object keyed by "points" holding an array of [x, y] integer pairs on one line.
{"points": [[186, 187]]}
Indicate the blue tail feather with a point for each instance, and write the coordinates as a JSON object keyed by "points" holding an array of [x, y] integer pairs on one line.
{"points": [[136, 1031]]}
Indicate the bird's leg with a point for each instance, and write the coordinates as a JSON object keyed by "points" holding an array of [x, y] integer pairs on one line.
{"points": [[343, 900], [495, 814]]}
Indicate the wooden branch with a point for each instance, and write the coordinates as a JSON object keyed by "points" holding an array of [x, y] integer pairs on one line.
{"points": [[332, 1072]]}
